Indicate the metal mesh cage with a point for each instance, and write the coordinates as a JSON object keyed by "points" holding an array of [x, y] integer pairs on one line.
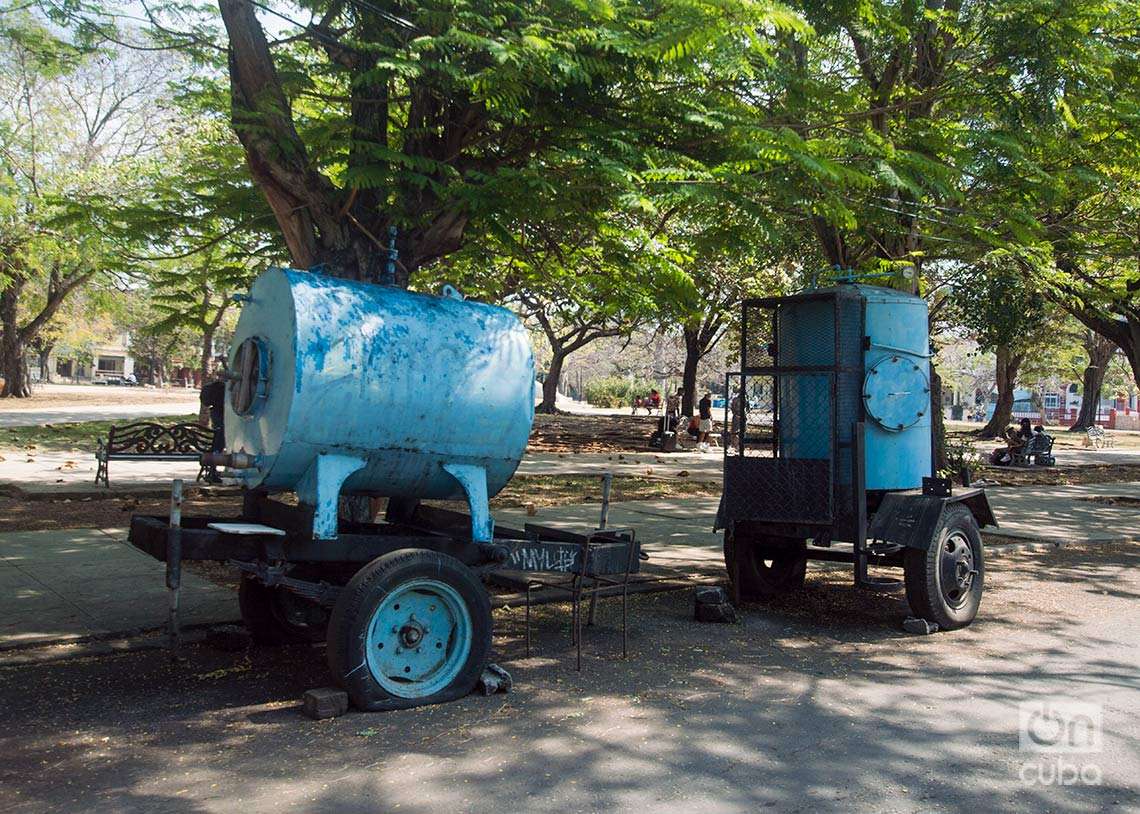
{"points": [[777, 463], [790, 410], [756, 335]]}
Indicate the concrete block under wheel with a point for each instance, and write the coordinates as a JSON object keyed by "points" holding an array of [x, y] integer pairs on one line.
{"points": [[324, 702], [921, 627], [712, 605], [230, 638]]}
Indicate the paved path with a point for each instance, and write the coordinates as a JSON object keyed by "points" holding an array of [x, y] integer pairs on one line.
{"points": [[31, 417], [1065, 514], [63, 585], [696, 465], [50, 471], [1068, 513], [74, 473]]}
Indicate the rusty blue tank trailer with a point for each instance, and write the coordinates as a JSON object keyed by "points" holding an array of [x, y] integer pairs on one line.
{"points": [[830, 454], [340, 389]]}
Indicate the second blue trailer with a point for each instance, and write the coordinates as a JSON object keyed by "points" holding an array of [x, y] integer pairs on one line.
{"points": [[830, 453]]}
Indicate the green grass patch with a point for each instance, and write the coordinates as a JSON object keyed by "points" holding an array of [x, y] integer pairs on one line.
{"points": [[81, 435]]}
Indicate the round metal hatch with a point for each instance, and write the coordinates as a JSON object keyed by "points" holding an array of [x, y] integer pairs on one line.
{"points": [[896, 393], [250, 375]]}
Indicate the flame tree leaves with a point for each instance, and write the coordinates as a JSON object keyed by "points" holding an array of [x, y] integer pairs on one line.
{"points": [[366, 115]]}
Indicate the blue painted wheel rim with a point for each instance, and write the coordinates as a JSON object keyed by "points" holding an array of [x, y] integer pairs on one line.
{"points": [[419, 638]]}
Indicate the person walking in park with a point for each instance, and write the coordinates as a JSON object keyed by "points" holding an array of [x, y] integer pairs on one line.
{"points": [[213, 398], [704, 410]]}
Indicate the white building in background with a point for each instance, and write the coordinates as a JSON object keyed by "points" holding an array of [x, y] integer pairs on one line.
{"points": [[109, 361]]}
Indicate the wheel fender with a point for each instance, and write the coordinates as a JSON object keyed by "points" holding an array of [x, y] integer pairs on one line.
{"points": [[911, 520], [979, 505]]}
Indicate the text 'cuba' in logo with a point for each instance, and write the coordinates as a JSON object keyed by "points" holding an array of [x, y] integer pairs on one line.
{"points": [[1059, 725]]}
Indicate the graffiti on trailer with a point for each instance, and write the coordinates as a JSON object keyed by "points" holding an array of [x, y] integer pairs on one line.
{"points": [[545, 558]]}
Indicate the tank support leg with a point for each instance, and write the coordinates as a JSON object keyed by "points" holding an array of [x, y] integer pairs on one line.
{"points": [[473, 479], [320, 488]]}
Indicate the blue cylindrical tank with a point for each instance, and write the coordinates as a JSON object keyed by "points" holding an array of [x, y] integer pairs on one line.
{"points": [[896, 389], [882, 378], [408, 382]]}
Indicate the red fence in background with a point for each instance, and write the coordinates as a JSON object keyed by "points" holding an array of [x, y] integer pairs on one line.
{"points": [[1122, 418]]}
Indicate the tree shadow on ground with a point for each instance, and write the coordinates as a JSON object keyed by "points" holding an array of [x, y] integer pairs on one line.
{"points": [[816, 704]]}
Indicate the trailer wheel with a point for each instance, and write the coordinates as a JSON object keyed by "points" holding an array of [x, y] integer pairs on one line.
{"points": [[412, 627], [944, 581], [768, 566], [277, 616]]}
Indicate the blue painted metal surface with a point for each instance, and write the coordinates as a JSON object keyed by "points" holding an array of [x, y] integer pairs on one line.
{"points": [[320, 488], [893, 351], [406, 383], [419, 638], [898, 327]]}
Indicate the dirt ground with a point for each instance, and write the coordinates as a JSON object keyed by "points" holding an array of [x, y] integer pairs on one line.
{"points": [[1059, 475], [65, 395], [815, 703], [551, 433], [593, 433]]}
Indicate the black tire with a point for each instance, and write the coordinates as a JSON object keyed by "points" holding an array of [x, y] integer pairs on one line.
{"points": [[768, 566], [275, 616], [350, 630], [944, 582]]}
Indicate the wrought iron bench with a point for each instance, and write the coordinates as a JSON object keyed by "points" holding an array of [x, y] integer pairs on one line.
{"points": [[1098, 438], [1038, 451], [153, 442]]}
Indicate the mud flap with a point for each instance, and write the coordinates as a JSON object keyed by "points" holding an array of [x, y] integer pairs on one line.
{"points": [[911, 520]]}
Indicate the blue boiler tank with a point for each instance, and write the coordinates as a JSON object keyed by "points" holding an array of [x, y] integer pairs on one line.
{"points": [[339, 387], [876, 342], [896, 389]]}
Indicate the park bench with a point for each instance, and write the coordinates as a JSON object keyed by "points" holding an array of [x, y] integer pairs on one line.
{"points": [[1098, 438], [649, 403], [146, 441], [1038, 451]]}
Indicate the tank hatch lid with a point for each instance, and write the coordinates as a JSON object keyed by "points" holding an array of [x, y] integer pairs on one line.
{"points": [[896, 393]]}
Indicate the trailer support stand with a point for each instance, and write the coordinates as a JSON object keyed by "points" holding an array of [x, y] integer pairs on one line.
{"points": [[174, 565], [859, 487], [607, 485]]}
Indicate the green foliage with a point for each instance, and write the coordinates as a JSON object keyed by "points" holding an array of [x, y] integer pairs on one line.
{"points": [[994, 301], [960, 454], [616, 391], [603, 164]]}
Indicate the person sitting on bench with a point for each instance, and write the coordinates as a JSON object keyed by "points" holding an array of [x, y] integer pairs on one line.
{"points": [[1003, 456]]}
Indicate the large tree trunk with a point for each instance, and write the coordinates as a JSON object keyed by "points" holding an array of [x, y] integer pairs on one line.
{"points": [[1100, 352], [550, 385], [1006, 370], [341, 229], [204, 359], [13, 364], [1118, 322], [693, 354]]}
